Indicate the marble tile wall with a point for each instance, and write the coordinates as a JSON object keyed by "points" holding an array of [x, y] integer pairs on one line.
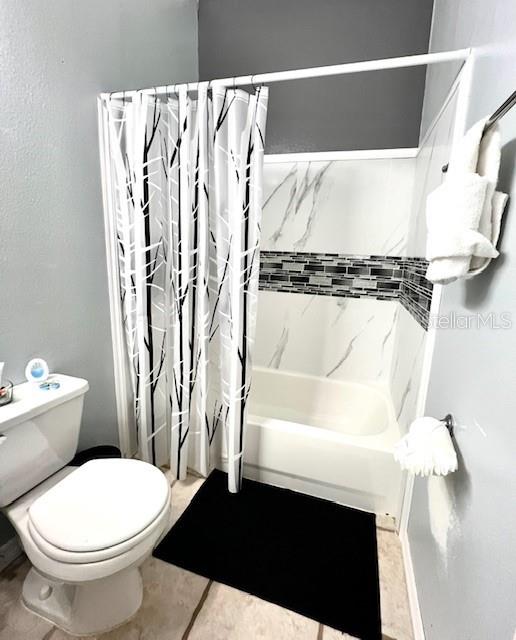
{"points": [[405, 374], [340, 338], [354, 207]]}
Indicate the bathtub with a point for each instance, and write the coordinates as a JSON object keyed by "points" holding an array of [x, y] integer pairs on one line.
{"points": [[327, 438]]}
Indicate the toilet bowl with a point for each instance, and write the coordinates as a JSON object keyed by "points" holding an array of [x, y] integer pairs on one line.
{"points": [[85, 530]]}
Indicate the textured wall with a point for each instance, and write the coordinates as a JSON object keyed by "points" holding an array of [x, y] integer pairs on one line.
{"points": [[367, 110], [56, 56], [461, 529]]}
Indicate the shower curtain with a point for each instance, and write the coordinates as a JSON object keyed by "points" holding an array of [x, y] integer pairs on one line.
{"points": [[184, 177]]}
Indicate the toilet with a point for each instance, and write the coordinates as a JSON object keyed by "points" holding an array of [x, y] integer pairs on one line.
{"points": [[86, 530]]}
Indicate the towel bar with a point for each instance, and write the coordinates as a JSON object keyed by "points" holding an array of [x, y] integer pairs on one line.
{"points": [[499, 113]]}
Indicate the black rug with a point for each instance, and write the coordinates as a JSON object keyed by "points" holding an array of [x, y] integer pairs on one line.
{"points": [[308, 555]]}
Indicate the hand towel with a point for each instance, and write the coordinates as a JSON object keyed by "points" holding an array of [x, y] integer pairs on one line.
{"points": [[427, 449], [464, 214]]}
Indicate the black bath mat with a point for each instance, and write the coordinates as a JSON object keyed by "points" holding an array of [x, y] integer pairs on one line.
{"points": [[308, 555]]}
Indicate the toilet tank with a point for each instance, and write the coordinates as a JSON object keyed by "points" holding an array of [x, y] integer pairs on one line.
{"points": [[39, 432]]}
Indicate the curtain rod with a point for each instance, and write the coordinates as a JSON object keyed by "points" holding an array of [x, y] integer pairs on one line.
{"points": [[312, 72]]}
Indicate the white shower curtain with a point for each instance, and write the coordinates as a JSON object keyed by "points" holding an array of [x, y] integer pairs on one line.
{"points": [[184, 178]]}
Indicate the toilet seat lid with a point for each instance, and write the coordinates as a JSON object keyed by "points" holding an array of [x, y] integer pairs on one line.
{"points": [[101, 504]]}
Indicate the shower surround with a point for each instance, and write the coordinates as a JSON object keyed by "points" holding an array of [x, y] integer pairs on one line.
{"points": [[336, 276], [342, 312]]}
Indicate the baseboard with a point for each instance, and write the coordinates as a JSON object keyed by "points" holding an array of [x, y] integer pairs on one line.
{"points": [[9, 551], [415, 612]]}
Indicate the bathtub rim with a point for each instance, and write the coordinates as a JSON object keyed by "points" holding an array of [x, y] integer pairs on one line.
{"points": [[381, 441]]}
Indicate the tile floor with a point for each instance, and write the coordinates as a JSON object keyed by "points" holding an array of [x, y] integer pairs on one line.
{"points": [[179, 605]]}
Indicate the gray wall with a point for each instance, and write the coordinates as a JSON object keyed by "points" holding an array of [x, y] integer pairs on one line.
{"points": [[56, 56], [367, 110], [468, 592]]}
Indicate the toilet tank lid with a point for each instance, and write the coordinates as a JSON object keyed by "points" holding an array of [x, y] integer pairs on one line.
{"points": [[29, 400]]}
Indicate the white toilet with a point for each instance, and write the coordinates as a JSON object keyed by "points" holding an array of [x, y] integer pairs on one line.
{"points": [[85, 529]]}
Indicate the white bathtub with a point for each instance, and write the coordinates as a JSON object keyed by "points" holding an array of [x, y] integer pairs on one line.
{"points": [[327, 438]]}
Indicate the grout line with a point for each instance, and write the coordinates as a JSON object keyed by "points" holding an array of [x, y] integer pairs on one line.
{"points": [[320, 631], [197, 610]]}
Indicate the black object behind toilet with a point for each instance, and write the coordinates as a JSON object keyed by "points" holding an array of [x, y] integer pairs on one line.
{"points": [[95, 453]]}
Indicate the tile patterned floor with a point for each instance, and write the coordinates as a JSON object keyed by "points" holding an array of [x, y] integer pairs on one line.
{"points": [[179, 605]]}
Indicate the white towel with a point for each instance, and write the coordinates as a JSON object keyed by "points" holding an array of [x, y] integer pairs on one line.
{"points": [[427, 449], [464, 213]]}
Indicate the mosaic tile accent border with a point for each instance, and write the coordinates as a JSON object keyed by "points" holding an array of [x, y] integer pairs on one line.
{"points": [[345, 276], [416, 290]]}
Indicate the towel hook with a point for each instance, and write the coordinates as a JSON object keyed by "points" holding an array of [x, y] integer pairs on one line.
{"points": [[449, 423]]}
